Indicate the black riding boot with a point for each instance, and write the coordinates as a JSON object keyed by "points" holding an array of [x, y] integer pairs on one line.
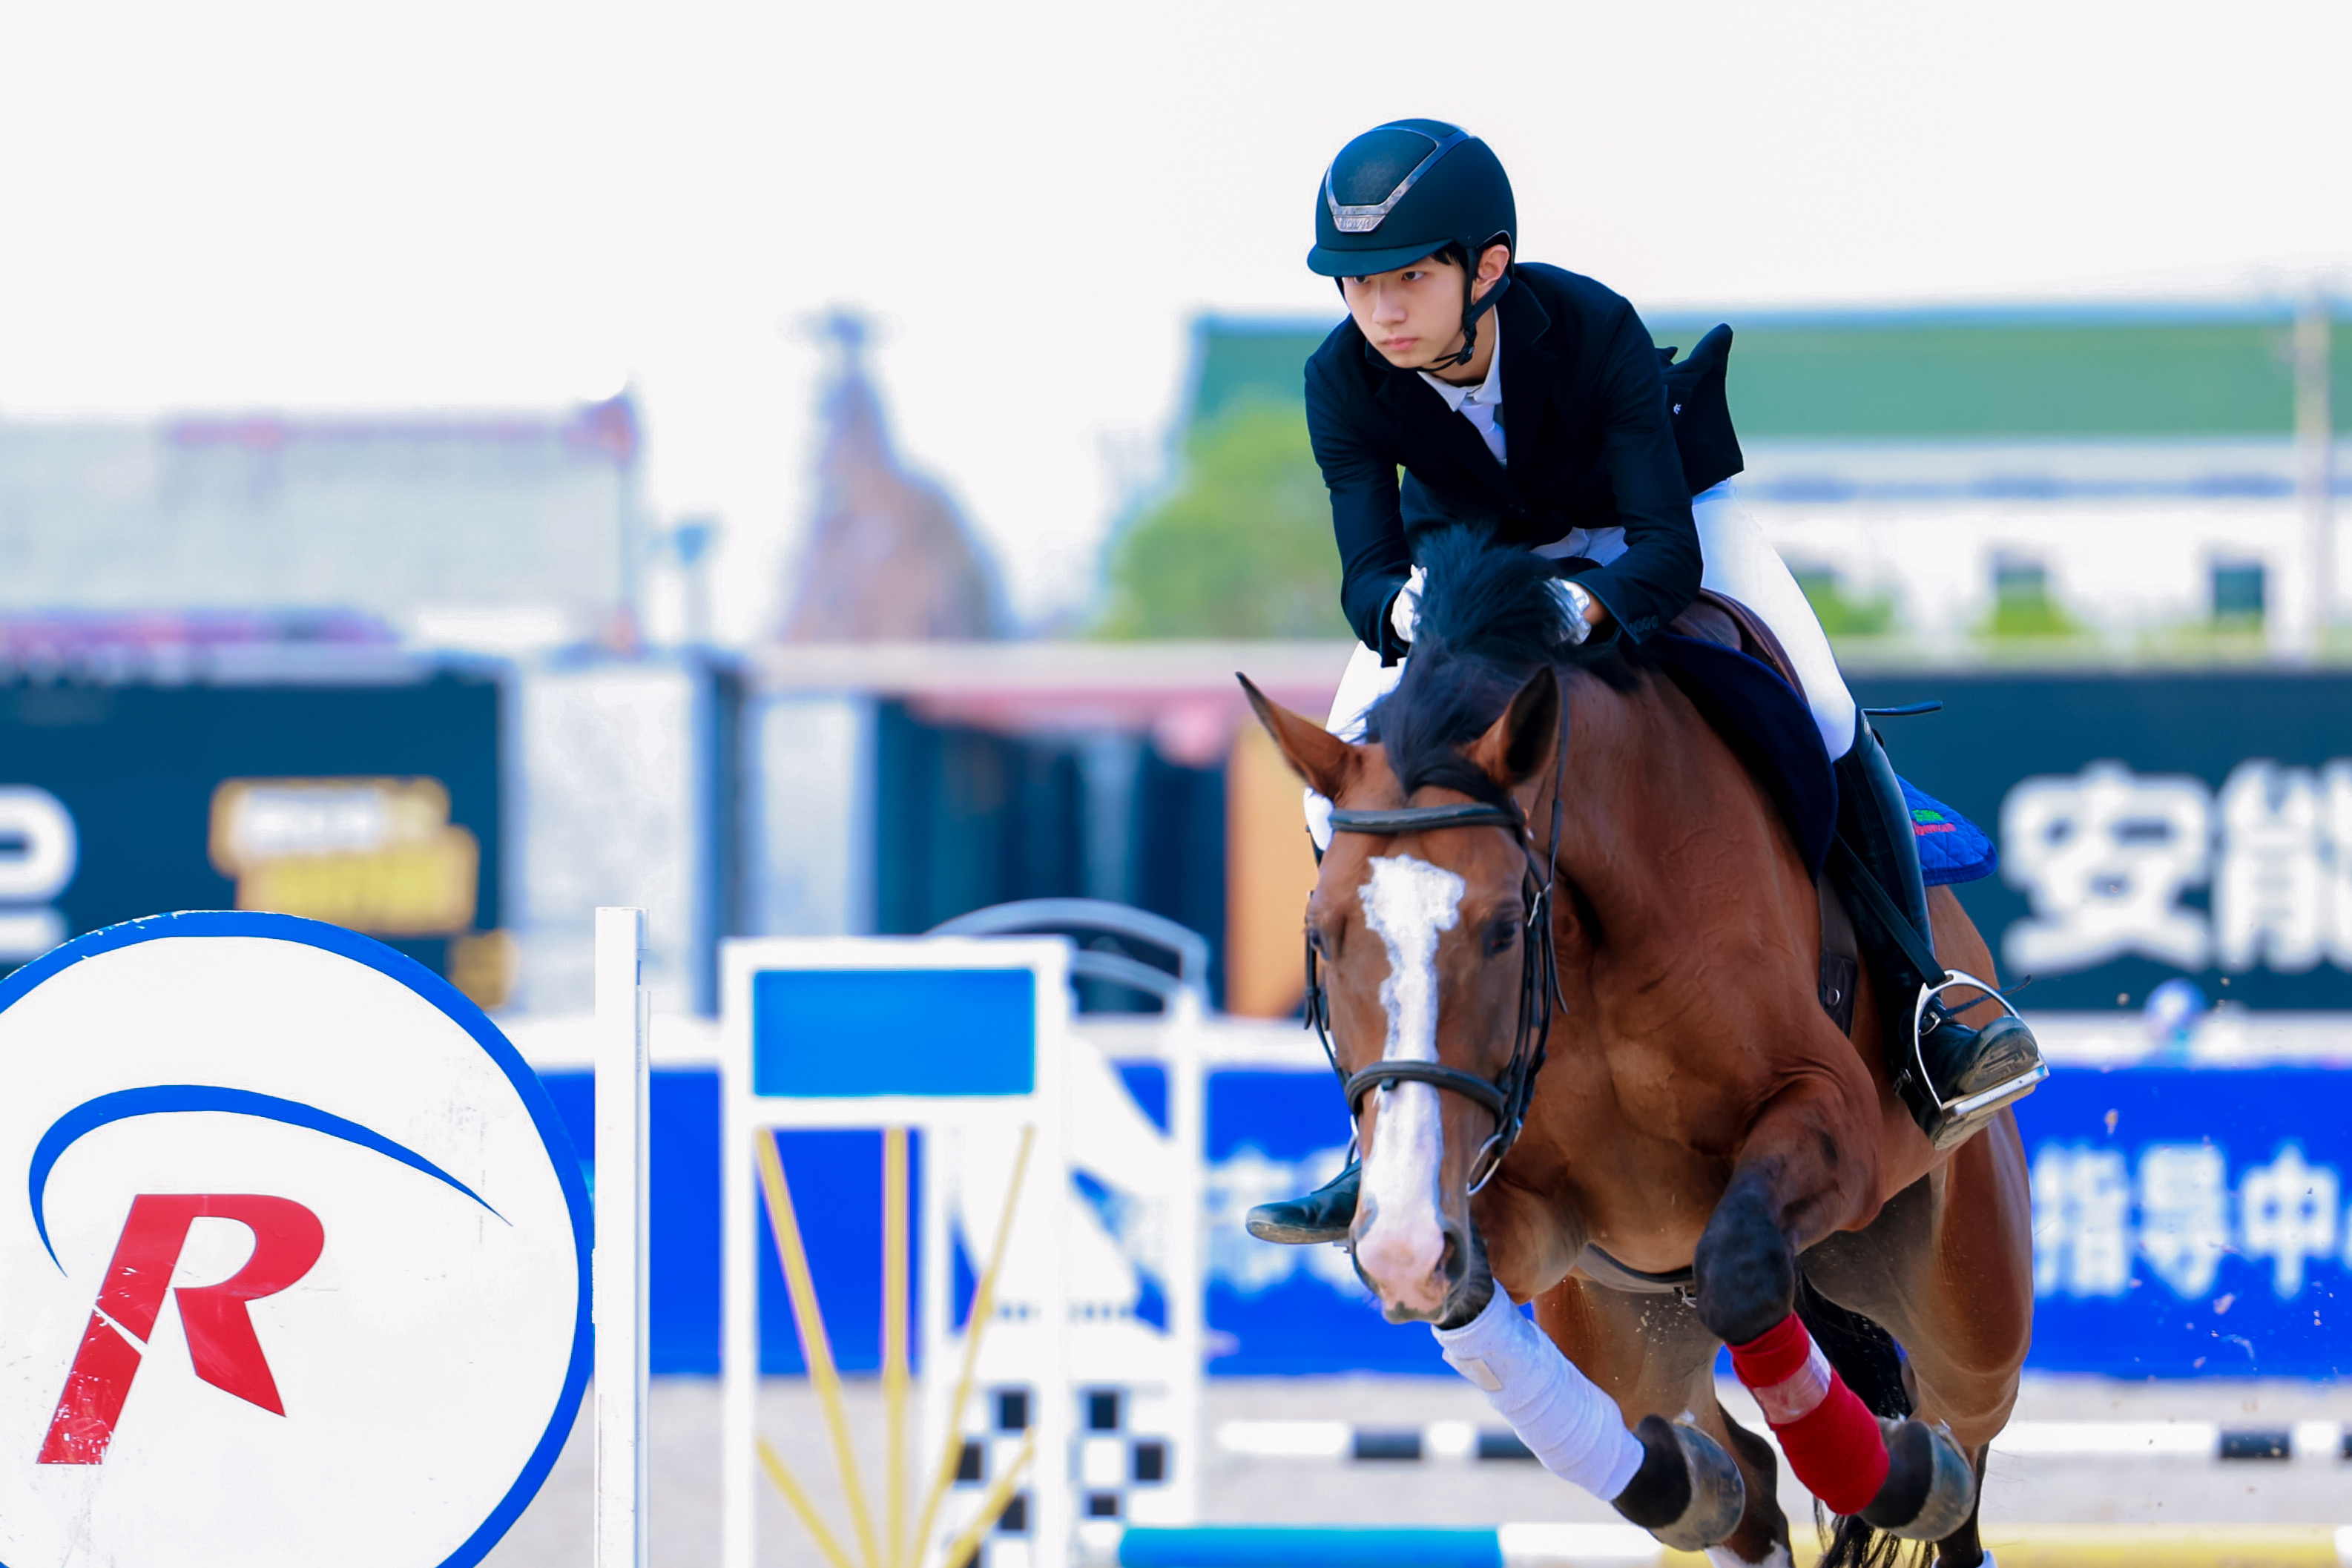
{"points": [[1324, 1215], [1969, 1073]]}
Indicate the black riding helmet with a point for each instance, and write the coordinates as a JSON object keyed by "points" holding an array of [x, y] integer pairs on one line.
{"points": [[1406, 190]]}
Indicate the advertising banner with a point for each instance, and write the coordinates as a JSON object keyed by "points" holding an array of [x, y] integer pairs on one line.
{"points": [[2149, 825], [372, 807], [301, 1270], [2188, 1221]]}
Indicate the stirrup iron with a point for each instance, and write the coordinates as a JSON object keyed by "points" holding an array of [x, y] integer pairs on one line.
{"points": [[1951, 1122]]}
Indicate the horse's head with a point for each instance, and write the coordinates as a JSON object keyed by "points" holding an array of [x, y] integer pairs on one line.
{"points": [[1420, 929]]}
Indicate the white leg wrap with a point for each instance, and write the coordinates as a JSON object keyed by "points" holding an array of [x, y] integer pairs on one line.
{"points": [[1559, 1413]]}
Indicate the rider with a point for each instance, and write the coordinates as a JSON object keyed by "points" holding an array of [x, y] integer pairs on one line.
{"points": [[1529, 401]]}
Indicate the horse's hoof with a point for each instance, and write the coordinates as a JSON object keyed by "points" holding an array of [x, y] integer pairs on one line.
{"points": [[1708, 1500], [1929, 1491]]}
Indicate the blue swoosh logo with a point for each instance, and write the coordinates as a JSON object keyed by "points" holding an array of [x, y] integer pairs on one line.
{"points": [[164, 1098]]}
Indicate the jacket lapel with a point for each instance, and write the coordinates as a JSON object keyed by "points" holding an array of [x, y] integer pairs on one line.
{"points": [[1423, 415], [1531, 362]]}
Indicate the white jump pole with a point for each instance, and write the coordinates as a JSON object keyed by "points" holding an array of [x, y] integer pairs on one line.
{"points": [[620, 1266]]}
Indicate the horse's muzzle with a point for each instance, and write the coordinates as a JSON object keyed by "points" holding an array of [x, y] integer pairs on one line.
{"points": [[1421, 1278]]}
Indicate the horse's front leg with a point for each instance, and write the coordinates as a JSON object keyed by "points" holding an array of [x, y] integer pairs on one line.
{"points": [[1657, 1360], [1795, 1182], [1671, 1478]]}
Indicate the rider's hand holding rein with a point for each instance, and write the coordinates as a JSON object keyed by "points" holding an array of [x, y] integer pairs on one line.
{"points": [[1586, 615]]}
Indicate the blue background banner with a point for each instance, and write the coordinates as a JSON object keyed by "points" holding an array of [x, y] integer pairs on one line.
{"points": [[2188, 1221]]}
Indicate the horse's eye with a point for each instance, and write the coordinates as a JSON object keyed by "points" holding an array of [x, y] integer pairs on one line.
{"points": [[1501, 935]]}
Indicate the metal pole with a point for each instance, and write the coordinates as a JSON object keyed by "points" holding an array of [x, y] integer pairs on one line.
{"points": [[2314, 439], [739, 1366], [623, 1082]]}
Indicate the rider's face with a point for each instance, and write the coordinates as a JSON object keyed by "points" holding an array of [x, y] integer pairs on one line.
{"points": [[1413, 314]]}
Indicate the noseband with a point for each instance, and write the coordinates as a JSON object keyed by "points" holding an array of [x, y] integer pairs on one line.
{"points": [[1505, 1098]]}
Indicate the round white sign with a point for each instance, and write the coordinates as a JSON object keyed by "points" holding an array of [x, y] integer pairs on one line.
{"points": [[299, 1269]]}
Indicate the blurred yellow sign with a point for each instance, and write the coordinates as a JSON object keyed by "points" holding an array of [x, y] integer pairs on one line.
{"points": [[373, 854], [1269, 874]]}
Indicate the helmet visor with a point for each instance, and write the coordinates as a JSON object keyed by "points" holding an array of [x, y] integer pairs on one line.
{"points": [[1328, 263]]}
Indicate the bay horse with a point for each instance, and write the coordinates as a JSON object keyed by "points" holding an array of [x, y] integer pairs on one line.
{"points": [[1690, 1153]]}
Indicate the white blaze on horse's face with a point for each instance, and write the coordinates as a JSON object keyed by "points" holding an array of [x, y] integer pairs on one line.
{"points": [[1407, 904]]}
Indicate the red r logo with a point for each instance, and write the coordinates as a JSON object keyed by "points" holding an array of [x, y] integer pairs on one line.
{"points": [[286, 1240]]}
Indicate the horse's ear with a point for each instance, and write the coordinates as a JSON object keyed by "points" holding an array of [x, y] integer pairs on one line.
{"points": [[1314, 754], [1515, 746]]}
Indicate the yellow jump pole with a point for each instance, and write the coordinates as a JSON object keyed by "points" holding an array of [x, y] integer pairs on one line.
{"points": [[798, 1497], [984, 1307], [816, 1350], [894, 1338], [964, 1547]]}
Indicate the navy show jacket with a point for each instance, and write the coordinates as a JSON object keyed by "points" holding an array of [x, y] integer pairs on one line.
{"points": [[1585, 424]]}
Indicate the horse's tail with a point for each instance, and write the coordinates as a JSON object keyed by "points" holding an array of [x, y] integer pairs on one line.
{"points": [[1866, 1356]]}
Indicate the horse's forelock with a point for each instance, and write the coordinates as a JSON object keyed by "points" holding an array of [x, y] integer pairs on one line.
{"points": [[1444, 702]]}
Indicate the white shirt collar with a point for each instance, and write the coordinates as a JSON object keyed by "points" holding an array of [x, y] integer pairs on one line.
{"points": [[1487, 394]]}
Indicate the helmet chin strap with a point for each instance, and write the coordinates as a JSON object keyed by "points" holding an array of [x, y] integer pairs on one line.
{"points": [[1473, 307]]}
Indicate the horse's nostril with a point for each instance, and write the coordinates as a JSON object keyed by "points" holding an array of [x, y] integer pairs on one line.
{"points": [[1455, 1262]]}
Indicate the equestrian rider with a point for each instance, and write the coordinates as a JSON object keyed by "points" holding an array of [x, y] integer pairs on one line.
{"points": [[1530, 402]]}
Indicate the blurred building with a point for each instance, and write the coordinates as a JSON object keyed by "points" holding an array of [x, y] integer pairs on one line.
{"points": [[490, 529], [2151, 481], [889, 558], [888, 788]]}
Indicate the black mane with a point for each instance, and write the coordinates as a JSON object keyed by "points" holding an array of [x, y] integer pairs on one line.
{"points": [[1488, 621]]}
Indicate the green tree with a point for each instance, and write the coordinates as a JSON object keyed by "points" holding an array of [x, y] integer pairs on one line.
{"points": [[1242, 546], [2023, 605], [1842, 613]]}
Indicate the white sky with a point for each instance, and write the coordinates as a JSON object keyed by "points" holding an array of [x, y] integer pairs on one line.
{"points": [[307, 205]]}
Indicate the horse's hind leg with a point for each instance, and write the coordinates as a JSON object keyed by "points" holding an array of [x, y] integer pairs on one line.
{"points": [[1651, 1353], [1948, 1268]]}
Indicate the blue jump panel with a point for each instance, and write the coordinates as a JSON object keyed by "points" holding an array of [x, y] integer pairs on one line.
{"points": [[1268, 1546], [844, 1034]]}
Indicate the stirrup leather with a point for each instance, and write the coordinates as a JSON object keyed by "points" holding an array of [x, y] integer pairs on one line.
{"points": [[1951, 1122]]}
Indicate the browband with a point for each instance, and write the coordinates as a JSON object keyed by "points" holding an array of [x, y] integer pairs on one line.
{"points": [[1422, 818]]}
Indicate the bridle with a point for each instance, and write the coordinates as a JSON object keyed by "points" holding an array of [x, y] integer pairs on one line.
{"points": [[1506, 1097]]}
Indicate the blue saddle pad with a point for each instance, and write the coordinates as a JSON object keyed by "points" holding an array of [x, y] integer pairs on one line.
{"points": [[1951, 848], [1755, 710]]}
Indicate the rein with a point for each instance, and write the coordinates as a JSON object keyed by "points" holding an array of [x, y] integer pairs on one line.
{"points": [[1506, 1097]]}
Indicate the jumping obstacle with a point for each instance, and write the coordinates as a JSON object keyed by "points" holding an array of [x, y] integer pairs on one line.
{"points": [[1625, 1546], [1395, 1546], [1068, 1413], [623, 1095], [305, 1271]]}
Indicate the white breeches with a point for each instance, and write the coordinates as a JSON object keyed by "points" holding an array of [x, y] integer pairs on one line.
{"points": [[1739, 562]]}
